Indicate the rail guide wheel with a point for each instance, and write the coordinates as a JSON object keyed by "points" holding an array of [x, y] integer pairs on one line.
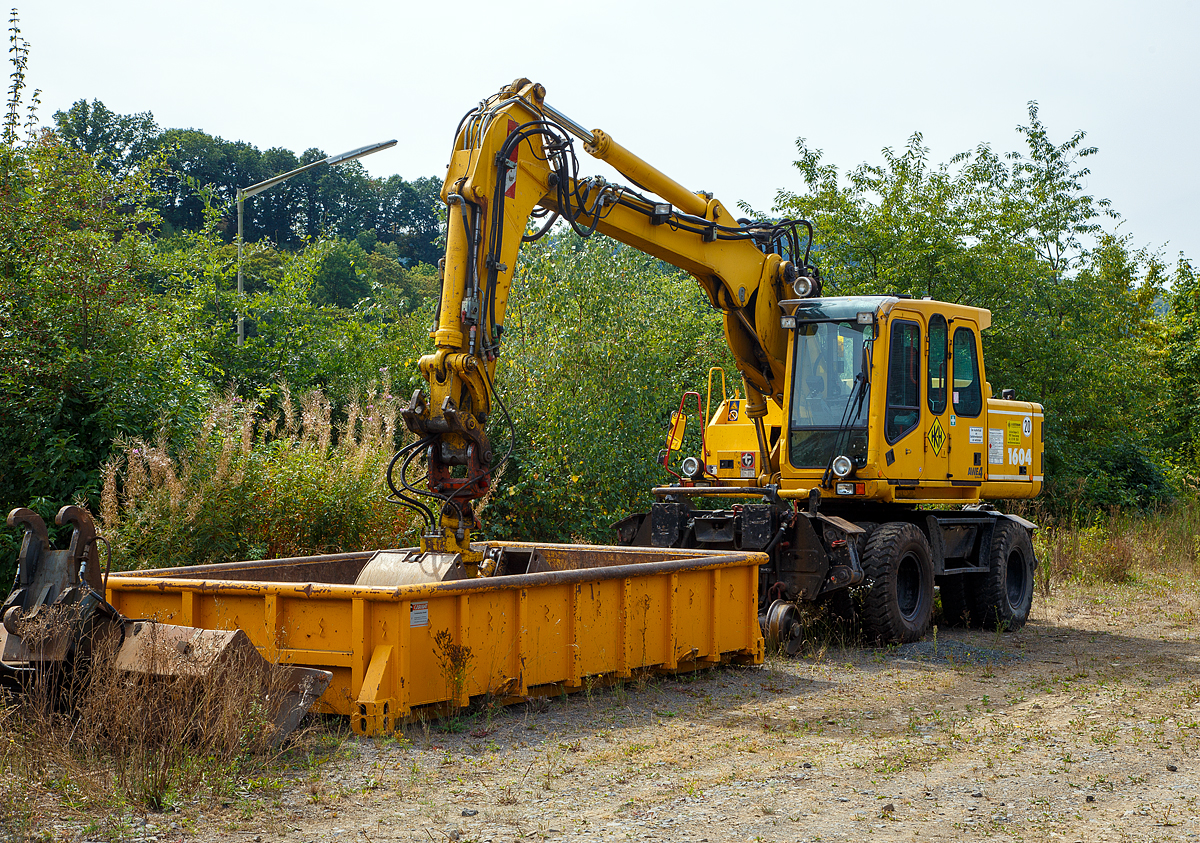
{"points": [[784, 631]]}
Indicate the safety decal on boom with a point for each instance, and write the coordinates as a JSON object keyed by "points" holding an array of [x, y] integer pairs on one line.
{"points": [[510, 171], [937, 437]]}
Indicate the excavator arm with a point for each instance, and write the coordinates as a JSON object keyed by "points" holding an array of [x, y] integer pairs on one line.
{"points": [[514, 160]]}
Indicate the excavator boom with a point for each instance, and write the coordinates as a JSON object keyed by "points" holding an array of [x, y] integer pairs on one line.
{"points": [[513, 159]]}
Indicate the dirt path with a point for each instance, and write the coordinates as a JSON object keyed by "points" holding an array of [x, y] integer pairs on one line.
{"points": [[1084, 726]]}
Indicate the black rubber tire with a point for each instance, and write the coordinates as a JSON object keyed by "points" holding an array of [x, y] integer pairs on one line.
{"points": [[898, 601], [1005, 593], [958, 607], [868, 527]]}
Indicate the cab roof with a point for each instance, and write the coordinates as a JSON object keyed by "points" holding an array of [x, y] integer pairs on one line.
{"points": [[847, 308]]}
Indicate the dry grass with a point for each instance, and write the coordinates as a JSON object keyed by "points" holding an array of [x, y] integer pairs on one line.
{"points": [[1115, 592], [92, 740], [255, 486], [1116, 547]]}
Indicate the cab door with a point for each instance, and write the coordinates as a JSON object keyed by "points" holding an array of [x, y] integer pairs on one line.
{"points": [[903, 432], [938, 428], [965, 439]]}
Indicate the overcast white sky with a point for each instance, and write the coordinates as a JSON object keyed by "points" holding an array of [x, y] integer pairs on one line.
{"points": [[715, 94]]}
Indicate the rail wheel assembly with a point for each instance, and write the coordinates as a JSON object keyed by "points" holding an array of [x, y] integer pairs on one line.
{"points": [[784, 632]]}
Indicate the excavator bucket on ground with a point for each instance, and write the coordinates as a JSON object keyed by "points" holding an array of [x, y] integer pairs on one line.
{"points": [[58, 624]]}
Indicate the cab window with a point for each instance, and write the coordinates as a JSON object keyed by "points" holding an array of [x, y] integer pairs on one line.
{"points": [[968, 394], [904, 386], [937, 364]]}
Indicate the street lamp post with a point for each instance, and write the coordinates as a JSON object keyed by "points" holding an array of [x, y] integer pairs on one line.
{"points": [[245, 193]]}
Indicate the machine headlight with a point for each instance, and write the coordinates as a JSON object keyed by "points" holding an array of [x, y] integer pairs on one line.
{"points": [[803, 286], [842, 466], [691, 467]]}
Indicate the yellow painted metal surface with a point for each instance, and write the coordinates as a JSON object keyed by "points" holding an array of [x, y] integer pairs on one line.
{"points": [[731, 444], [395, 649], [946, 457]]}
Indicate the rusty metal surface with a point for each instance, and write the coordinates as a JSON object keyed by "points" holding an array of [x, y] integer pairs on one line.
{"points": [[573, 557], [56, 614], [44, 575], [406, 567], [330, 567], [211, 655], [519, 633], [636, 559], [712, 491], [55, 604], [344, 568]]}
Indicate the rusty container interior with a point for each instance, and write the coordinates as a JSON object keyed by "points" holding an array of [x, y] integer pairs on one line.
{"points": [[550, 618]]}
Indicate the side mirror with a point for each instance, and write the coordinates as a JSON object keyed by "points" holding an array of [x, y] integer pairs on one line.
{"points": [[1008, 394]]}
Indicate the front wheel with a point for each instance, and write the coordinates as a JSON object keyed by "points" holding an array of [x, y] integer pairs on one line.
{"points": [[1006, 593], [898, 603]]}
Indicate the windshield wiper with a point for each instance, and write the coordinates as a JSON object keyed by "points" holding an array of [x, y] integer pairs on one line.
{"points": [[857, 394]]}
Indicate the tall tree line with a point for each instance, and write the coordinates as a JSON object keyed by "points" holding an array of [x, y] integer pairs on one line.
{"points": [[203, 169]]}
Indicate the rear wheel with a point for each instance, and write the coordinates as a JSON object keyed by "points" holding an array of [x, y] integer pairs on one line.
{"points": [[898, 602], [1005, 593]]}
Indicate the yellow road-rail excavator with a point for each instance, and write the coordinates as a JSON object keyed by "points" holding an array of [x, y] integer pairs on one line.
{"points": [[850, 467], [859, 452]]}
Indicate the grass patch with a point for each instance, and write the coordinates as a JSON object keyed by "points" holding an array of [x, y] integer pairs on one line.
{"points": [[93, 743], [1116, 547]]}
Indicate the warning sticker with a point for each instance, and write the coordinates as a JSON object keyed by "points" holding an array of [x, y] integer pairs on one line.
{"points": [[995, 446], [734, 410], [1014, 432], [748, 463], [418, 613], [976, 436], [937, 437]]}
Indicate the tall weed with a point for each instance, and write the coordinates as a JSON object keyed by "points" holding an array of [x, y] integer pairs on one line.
{"points": [[107, 741], [252, 485]]}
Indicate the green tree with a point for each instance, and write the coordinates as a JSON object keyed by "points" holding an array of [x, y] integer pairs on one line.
{"points": [[1072, 306], [408, 216], [118, 142], [1179, 408], [342, 276], [87, 352], [600, 342]]}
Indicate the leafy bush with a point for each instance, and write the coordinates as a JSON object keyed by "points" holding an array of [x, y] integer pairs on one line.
{"points": [[600, 342], [1127, 476], [87, 352]]}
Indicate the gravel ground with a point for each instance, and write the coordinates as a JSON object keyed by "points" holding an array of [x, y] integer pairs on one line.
{"points": [[1081, 727]]}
